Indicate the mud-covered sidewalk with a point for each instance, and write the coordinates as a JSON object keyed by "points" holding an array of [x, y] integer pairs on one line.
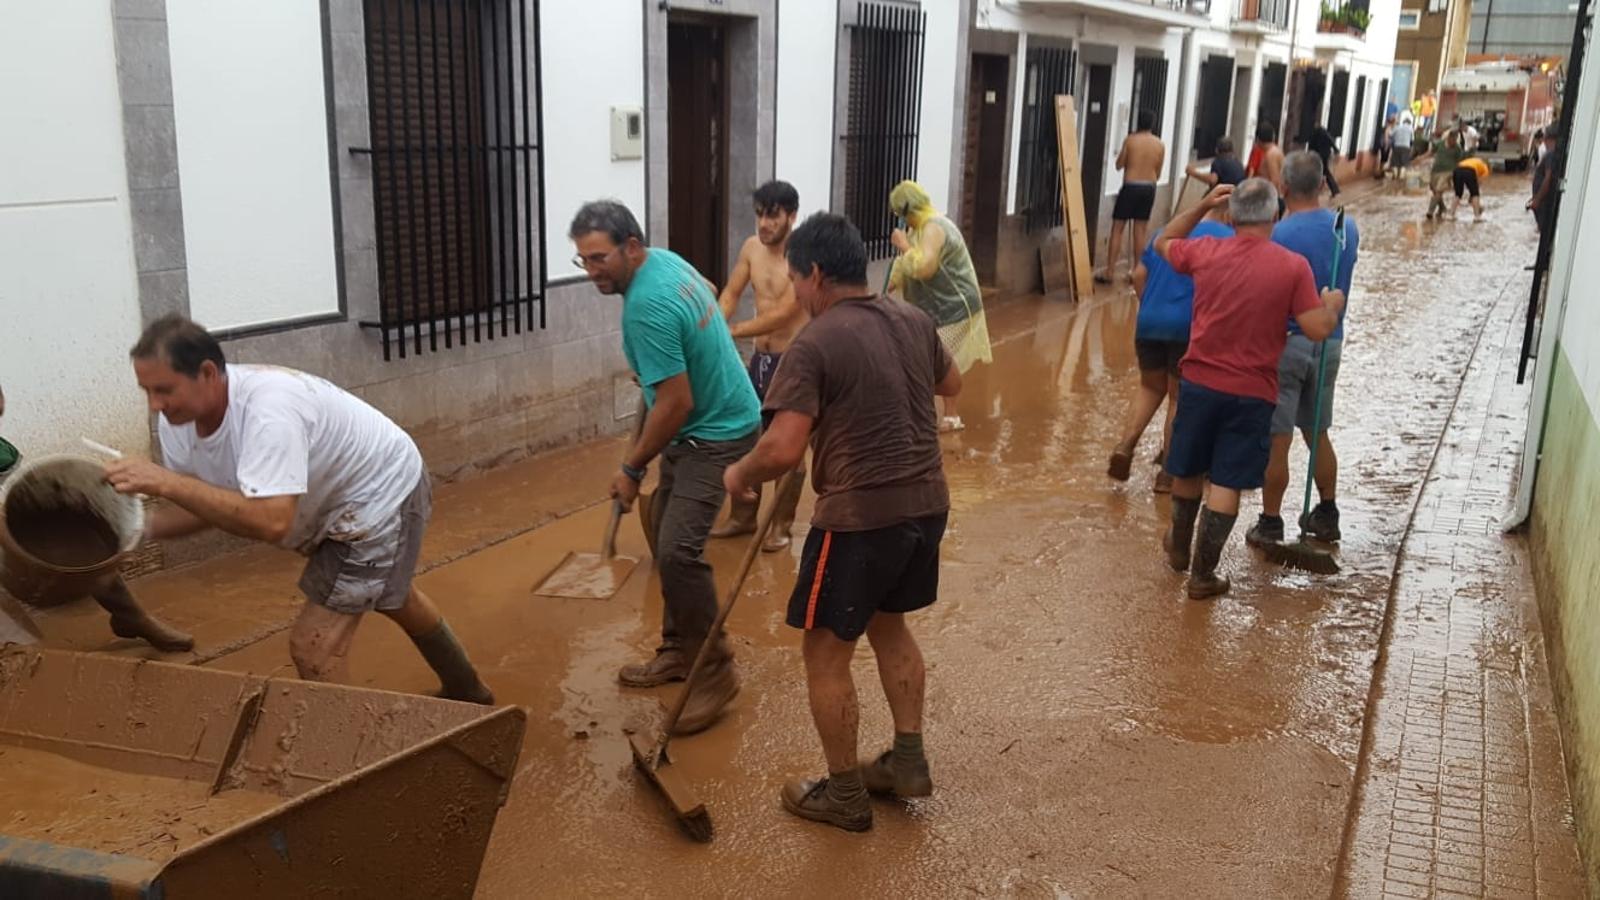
{"points": [[1091, 731]]}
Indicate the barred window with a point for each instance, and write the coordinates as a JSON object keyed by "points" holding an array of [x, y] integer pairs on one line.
{"points": [[457, 173], [1149, 90], [884, 115], [1049, 73]]}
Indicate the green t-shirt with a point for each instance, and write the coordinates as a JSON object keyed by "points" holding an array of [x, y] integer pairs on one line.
{"points": [[1446, 157], [671, 324]]}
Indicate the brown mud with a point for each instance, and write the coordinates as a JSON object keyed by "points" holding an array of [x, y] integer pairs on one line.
{"points": [[1091, 732], [67, 537]]}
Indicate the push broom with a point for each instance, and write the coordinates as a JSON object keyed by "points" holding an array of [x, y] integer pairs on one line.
{"points": [[651, 755], [1302, 554]]}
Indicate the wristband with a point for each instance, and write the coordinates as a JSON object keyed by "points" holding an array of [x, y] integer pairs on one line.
{"points": [[635, 474]]}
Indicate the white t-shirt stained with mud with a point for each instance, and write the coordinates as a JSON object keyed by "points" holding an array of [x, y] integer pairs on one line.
{"points": [[290, 433]]}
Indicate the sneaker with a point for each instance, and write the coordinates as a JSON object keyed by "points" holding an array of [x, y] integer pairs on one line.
{"points": [[669, 664], [1323, 522], [1267, 530], [882, 776], [809, 800], [714, 689]]}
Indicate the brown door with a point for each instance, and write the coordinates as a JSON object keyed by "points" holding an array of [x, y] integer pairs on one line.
{"points": [[1096, 116], [985, 155], [697, 141]]}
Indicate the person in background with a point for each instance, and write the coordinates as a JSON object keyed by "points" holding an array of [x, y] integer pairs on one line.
{"points": [[128, 618], [1468, 179], [1325, 146], [1225, 167], [934, 273], [1545, 189], [1382, 148], [1404, 137], [1447, 154], [1140, 159], [1161, 337]]}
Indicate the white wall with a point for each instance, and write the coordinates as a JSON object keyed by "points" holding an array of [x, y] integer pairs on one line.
{"points": [[934, 151], [68, 301], [1580, 218], [583, 78], [806, 39], [252, 119]]}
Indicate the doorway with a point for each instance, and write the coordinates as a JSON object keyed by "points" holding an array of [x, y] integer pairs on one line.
{"points": [[1355, 118], [697, 146], [1216, 92], [1240, 121], [1269, 111], [1096, 117], [983, 186], [1306, 90]]}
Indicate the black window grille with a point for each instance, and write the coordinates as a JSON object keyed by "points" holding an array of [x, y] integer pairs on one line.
{"points": [[1049, 73], [1337, 103], [1355, 118], [1269, 111], [1149, 90], [454, 89], [1381, 102], [884, 115], [1216, 92]]}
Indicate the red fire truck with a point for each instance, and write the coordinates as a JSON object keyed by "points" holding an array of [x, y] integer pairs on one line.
{"points": [[1507, 101]]}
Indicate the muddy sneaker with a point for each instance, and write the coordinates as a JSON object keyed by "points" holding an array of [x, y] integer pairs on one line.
{"points": [[884, 776], [714, 690], [1267, 530], [815, 800], [1121, 465], [1323, 522], [669, 664]]}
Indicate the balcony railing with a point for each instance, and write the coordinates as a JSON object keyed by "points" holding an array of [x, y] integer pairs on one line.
{"points": [[1272, 14]]}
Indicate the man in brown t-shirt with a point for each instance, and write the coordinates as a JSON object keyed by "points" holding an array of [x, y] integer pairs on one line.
{"points": [[858, 385]]}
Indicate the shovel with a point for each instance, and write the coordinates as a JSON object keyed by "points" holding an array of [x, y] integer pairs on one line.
{"points": [[1302, 554], [650, 755], [595, 576]]}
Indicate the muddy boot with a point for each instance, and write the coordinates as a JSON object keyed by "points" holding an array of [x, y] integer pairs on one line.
{"points": [[1180, 535], [741, 517], [715, 687], [837, 800], [445, 655], [1323, 522], [1163, 483], [901, 771], [1121, 464], [669, 664], [129, 620], [1267, 530], [1204, 582], [783, 515]]}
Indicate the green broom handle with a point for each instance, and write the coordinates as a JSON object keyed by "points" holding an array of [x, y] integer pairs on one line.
{"points": [[1322, 365]]}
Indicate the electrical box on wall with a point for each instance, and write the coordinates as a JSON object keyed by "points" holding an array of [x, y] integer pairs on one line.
{"points": [[627, 132]]}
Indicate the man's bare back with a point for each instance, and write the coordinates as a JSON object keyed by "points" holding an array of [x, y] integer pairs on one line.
{"points": [[1272, 166], [1141, 157], [778, 316]]}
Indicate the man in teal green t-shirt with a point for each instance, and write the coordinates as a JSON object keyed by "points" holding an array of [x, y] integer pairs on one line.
{"points": [[703, 415]]}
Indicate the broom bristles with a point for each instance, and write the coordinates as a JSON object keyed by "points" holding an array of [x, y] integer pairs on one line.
{"points": [[1303, 556]]}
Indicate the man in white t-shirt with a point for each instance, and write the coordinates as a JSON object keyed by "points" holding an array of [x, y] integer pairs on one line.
{"points": [[287, 458]]}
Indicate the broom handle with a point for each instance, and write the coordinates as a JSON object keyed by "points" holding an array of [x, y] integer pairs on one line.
{"points": [[1322, 368], [763, 525], [608, 541]]}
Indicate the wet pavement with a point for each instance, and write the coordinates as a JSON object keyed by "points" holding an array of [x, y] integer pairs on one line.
{"points": [[1091, 732]]}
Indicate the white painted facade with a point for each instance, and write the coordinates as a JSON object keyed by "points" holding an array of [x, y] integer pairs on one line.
{"points": [[250, 102], [806, 37], [68, 303]]}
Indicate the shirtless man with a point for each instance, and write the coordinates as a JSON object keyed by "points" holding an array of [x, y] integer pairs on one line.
{"points": [[1269, 164], [1141, 158], [777, 320]]}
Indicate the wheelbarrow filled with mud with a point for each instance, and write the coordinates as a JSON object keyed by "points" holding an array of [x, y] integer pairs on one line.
{"points": [[127, 778]]}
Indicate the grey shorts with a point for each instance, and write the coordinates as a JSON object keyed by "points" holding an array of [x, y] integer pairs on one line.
{"points": [[374, 573], [1297, 378]]}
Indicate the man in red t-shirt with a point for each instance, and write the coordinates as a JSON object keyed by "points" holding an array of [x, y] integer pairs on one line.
{"points": [[1245, 288]]}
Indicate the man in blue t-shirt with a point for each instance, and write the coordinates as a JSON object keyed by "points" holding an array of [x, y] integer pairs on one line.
{"points": [[1308, 229], [703, 415], [1160, 338]]}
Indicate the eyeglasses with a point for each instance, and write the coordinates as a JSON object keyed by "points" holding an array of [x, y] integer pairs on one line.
{"points": [[594, 260]]}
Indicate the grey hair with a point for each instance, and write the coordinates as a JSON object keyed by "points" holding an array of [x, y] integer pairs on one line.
{"points": [[1253, 202], [1302, 173], [608, 216]]}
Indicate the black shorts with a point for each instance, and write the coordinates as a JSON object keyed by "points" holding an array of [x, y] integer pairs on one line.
{"points": [[1159, 356], [1466, 181], [848, 576], [1225, 436], [1135, 202]]}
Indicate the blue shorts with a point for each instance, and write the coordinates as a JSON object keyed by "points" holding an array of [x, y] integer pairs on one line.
{"points": [[1225, 436]]}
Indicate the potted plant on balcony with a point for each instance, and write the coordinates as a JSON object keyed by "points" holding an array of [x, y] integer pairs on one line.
{"points": [[1357, 19]]}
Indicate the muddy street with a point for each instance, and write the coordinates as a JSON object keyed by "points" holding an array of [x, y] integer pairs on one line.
{"points": [[1091, 731]]}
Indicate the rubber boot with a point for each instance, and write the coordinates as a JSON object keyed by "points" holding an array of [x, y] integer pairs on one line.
{"points": [[129, 620], [447, 658], [1204, 582], [715, 687], [1180, 535], [741, 517], [783, 515]]}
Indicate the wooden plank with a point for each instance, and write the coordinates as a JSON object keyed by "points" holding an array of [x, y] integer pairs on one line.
{"points": [[1076, 246]]}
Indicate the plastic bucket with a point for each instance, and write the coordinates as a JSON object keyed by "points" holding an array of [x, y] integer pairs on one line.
{"points": [[63, 529]]}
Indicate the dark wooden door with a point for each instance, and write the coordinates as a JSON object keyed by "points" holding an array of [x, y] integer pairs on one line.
{"points": [[1096, 117], [1270, 108], [697, 141], [984, 189], [1216, 92]]}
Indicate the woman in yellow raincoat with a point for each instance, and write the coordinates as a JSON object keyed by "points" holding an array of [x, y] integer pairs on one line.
{"points": [[934, 273]]}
